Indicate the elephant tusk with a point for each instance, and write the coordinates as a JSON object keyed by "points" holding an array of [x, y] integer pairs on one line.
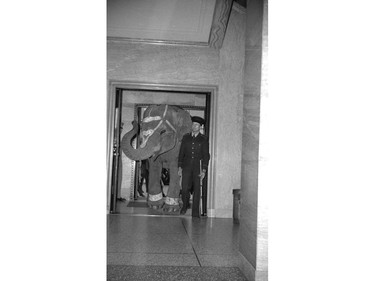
{"points": [[145, 139], [148, 132], [143, 144]]}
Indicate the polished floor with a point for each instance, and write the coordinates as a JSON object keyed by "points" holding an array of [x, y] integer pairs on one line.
{"points": [[145, 245]]}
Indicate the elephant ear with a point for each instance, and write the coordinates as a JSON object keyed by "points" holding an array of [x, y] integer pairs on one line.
{"points": [[183, 123]]}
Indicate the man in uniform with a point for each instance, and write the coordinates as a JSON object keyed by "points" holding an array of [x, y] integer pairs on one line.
{"points": [[192, 164]]}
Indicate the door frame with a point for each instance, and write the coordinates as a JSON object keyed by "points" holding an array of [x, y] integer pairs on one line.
{"points": [[188, 88]]}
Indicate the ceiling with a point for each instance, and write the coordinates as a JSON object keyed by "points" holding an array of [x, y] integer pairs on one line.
{"points": [[193, 22]]}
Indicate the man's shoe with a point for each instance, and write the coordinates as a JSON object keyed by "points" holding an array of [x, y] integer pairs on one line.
{"points": [[183, 212]]}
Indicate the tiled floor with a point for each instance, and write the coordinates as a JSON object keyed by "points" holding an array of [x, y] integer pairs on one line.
{"points": [[144, 245]]}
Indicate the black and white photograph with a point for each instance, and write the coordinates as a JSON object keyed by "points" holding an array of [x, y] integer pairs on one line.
{"points": [[187, 140], [185, 80]]}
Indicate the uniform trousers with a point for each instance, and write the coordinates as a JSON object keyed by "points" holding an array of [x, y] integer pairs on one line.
{"points": [[191, 183]]}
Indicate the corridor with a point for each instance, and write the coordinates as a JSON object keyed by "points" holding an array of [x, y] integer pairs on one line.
{"points": [[161, 247]]}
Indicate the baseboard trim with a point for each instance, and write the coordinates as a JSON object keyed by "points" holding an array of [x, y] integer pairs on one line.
{"points": [[223, 213], [249, 271], [211, 213], [219, 213]]}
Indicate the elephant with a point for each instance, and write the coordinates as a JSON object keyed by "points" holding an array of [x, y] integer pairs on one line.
{"points": [[160, 134]]}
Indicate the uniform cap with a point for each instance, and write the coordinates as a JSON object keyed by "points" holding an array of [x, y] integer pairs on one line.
{"points": [[198, 119]]}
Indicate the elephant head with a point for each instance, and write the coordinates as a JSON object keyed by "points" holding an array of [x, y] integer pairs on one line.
{"points": [[161, 129]]}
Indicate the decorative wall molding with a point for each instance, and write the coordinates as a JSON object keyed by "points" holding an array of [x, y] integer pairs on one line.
{"points": [[219, 23]]}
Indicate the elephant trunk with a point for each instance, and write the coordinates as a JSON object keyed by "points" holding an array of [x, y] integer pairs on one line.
{"points": [[132, 153]]}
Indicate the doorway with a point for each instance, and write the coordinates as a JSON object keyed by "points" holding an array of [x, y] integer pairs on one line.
{"points": [[127, 103], [139, 184]]}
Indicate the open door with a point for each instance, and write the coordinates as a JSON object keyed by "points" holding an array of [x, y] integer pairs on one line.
{"points": [[116, 162]]}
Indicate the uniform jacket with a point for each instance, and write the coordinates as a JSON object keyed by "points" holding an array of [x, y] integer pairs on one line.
{"points": [[192, 150]]}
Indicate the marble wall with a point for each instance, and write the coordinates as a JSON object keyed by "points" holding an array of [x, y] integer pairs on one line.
{"points": [[229, 112], [253, 217], [198, 66], [165, 64]]}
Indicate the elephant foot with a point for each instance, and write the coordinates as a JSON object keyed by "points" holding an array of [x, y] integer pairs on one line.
{"points": [[171, 209], [156, 205], [171, 205]]}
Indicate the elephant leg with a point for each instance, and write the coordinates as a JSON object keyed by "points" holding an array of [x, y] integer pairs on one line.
{"points": [[155, 195], [172, 200]]}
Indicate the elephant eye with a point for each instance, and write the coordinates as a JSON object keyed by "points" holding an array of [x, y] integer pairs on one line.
{"points": [[162, 132]]}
